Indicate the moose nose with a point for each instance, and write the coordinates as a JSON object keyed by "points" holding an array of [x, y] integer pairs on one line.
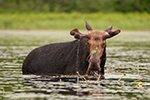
{"points": [[94, 66]]}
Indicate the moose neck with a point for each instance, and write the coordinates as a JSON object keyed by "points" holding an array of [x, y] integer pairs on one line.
{"points": [[82, 53]]}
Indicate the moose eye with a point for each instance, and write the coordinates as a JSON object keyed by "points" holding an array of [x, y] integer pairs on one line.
{"points": [[104, 44]]}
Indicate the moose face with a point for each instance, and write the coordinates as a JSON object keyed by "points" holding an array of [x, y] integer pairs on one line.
{"points": [[97, 43]]}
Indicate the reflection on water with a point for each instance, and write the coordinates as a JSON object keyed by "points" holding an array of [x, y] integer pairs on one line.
{"points": [[125, 54]]}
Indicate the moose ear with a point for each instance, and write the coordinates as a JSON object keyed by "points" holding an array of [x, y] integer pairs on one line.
{"points": [[109, 28], [111, 34], [75, 32], [87, 25], [77, 35]]}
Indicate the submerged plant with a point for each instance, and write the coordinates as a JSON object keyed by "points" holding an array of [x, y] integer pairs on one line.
{"points": [[124, 74]]}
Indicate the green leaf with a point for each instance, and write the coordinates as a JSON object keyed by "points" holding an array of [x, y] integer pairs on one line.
{"points": [[97, 48], [93, 51]]}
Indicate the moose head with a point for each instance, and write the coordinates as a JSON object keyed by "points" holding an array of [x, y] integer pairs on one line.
{"points": [[97, 43]]}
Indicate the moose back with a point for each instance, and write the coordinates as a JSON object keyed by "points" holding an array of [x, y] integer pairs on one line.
{"points": [[85, 54]]}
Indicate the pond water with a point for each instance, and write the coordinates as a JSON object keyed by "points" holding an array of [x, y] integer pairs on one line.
{"points": [[128, 53]]}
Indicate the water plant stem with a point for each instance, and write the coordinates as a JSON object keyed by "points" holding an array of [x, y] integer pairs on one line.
{"points": [[80, 75], [119, 79], [99, 79], [124, 74], [84, 78], [118, 69], [110, 70], [138, 80]]}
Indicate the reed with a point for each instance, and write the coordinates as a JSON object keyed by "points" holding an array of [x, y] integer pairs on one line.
{"points": [[57, 21]]}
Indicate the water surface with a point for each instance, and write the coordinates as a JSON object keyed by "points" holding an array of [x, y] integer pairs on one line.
{"points": [[126, 53]]}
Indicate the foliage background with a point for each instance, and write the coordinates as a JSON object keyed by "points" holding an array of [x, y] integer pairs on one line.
{"points": [[67, 14], [84, 6]]}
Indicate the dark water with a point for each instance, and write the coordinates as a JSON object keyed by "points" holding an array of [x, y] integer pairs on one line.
{"points": [[126, 53]]}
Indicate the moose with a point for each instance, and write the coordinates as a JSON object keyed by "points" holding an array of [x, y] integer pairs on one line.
{"points": [[85, 54]]}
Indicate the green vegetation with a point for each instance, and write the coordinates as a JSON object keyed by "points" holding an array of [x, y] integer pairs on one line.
{"points": [[84, 6], [67, 21], [68, 14]]}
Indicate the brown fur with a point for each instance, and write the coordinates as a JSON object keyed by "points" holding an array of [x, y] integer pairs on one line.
{"points": [[69, 57], [96, 41]]}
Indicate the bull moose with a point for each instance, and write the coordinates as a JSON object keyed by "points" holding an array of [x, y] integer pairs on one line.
{"points": [[85, 54]]}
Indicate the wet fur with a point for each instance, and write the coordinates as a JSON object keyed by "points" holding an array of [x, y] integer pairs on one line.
{"points": [[60, 58]]}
